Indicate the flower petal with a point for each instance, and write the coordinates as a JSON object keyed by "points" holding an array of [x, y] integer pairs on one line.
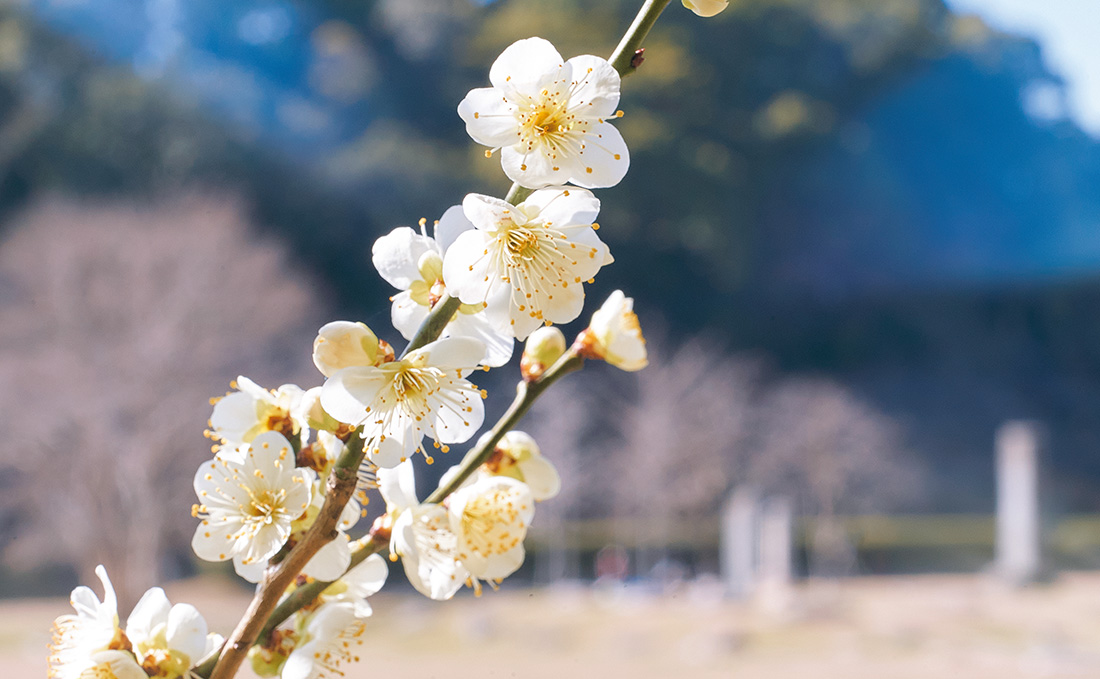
{"points": [[490, 118], [457, 416], [455, 353], [498, 345], [398, 486], [368, 577], [406, 314], [605, 159], [596, 87], [252, 571], [348, 392], [151, 610], [525, 64], [467, 269], [186, 631], [330, 562], [452, 223], [396, 254], [563, 206], [541, 477], [534, 169]]}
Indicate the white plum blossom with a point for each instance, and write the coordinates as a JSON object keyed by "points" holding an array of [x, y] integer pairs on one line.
{"points": [[615, 335], [706, 8], [399, 402], [490, 518], [242, 415], [362, 581], [316, 640], [167, 639], [549, 117], [476, 534], [331, 560], [159, 639], [248, 506], [326, 638], [94, 628], [413, 263], [528, 261], [421, 536]]}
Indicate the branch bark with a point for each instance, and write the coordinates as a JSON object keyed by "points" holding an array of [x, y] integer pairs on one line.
{"points": [[340, 486]]}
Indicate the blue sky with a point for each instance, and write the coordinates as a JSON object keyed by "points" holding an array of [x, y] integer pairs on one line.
{"points": [[1067, 31]]}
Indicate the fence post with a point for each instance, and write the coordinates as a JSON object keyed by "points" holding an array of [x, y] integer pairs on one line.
{"points": [[776, 537], [738, 544], [1018, 542]]}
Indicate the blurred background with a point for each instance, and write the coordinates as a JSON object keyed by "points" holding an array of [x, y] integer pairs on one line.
{"points": [[862, 236]]}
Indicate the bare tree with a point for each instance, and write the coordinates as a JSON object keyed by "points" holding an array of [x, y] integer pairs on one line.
{"points": [[117, 323], [680, 441], [650, 448], [814, 441], [661, 448]]}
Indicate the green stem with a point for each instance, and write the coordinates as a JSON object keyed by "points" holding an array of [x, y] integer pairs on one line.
{"points": [[622, 59], [305, 594], [432, 327], [517, 194], [526, 393]]}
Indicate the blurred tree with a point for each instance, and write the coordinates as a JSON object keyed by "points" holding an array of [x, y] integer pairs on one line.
{"points": [[815, 442], [117, 323]]}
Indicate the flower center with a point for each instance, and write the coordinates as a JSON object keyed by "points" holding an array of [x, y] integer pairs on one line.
{"points": [[491, 522], [265, 506], [101, 671], [520, 244], [164, 662], [546, 122], [545, 119], [409, 383]]}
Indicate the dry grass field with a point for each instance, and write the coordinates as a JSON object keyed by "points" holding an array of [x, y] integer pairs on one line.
{"points": [[872, 628]]}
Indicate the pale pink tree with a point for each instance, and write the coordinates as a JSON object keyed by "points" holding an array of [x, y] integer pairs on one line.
{"points": [[117, 323]]}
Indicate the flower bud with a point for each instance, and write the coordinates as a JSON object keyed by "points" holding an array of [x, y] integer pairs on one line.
{"points": [[518, 456], [316, 417], [614, 335], [430, 266], [343, 344], [518, 445], [267, 662], [706, 8], [543, 348]]}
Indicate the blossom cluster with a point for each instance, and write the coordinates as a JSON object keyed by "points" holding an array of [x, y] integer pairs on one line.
{"points": [[490, 272], [159, 639]]}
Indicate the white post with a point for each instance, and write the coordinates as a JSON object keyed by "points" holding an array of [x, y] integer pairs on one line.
{"points": [[738, 544], [1018, 548], [775, 543]]}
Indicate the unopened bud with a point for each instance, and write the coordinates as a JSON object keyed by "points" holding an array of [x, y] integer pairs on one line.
{"points": [[614, 335], [316, 416], [266, 662], [518, 456], [430, 266], [386, 354], [519, 445], [343, 344], [382, 528], [543, 347], [706, 8]]}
